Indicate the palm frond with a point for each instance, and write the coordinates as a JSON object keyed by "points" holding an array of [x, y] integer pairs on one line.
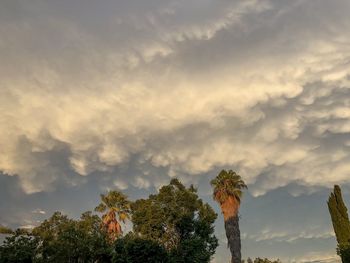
{"points": [[226, 184], [114, 205], [101, 208]]}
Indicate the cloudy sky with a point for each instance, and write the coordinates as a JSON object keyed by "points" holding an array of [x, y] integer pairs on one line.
{"points": [[113, 94]]}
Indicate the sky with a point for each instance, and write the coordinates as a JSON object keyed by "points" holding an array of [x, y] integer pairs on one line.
{"points": [[125, 95]]}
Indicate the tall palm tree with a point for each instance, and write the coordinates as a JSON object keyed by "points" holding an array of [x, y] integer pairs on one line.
{"points": [[114, 205], [228, 193]]}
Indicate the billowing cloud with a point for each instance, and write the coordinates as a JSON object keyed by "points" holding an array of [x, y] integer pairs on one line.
{"points": [[175, 88]]}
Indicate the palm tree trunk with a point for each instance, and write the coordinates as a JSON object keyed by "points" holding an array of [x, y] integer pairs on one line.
{"points": [[233, 238]]}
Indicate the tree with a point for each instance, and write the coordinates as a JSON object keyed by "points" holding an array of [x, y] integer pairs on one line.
{"points": [[131, 248], [265, 260], [73, 241], [178, 220], [228, 193], [18, 248], [95, 239], [261, 260], [340, 221], [52, 246], [59, 239], [114, 204]]}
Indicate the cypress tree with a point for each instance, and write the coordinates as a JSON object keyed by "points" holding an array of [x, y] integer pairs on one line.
{"points": [[340, 218]]}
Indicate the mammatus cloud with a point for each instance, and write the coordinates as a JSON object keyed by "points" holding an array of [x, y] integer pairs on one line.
{"points": [[172, 90]]}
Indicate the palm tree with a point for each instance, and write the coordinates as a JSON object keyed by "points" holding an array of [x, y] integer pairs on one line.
{"points": [[228, 193], [113, 205]]}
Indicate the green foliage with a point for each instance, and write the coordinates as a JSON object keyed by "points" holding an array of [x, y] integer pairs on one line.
{"points": [[339, 215], [226, 184], [67, 240], [261, 260], [344, 252], [265, 260], [19, 248], [59, 239], [131, 249], [340, 220], [178, 220], [193, 250]]}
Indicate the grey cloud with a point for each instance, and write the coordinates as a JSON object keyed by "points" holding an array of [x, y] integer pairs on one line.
{"points": [[264, 92]]}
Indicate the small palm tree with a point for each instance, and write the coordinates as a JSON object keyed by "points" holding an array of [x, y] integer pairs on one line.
{"points": [[228, 193], [113, 205]]}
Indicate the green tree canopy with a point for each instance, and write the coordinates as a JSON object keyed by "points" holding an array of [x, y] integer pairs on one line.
{"points": [[19, 248], [131, 249], [178, 220], [261, 260], [59, 239]]}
